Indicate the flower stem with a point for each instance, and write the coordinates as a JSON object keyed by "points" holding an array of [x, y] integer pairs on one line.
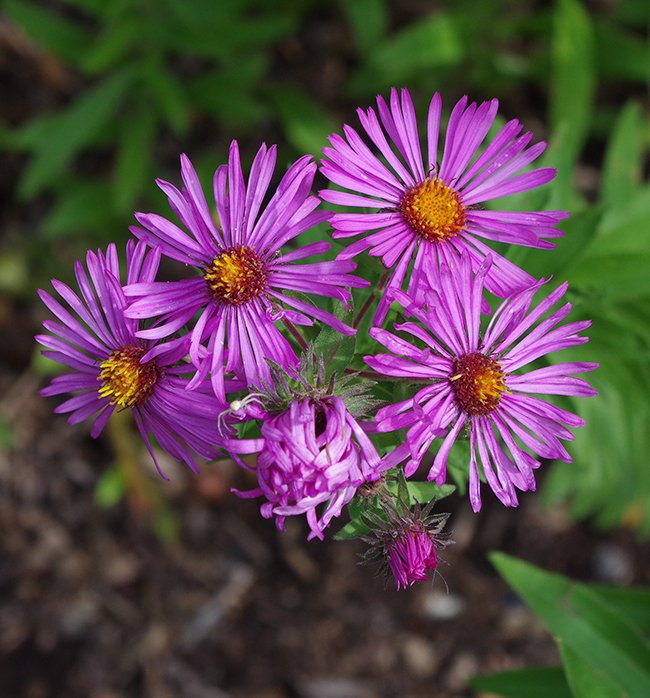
{"points": [[295, 334], [381, 284]]}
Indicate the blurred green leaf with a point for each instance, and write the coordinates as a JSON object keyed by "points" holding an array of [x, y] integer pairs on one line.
{"points": [[110, 488], [368, 20], [584, 679], [71, 131], [112, 46], [133, 165], [426, 44], [50, 30], [621, 54], [534, 682], [584, 623], [618, 276], [624, 158], [573, 78], [304, 123], [167, 96], [86, 208]]}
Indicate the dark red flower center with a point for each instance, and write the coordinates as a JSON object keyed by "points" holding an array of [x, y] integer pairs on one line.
{"points": [[478, 382], [236, 276], [433, 210], [125, 380]]}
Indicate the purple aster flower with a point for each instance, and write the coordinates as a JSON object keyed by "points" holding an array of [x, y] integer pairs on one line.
{"points": [[431, 210], [311, 454], [246, 284], [93, 337], [411, 556], [474, 381]]}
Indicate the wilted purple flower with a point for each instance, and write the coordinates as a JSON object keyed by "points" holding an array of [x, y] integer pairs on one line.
{"points": [[101, 346], [428, 210], [474, 381], [311, 454], [246, 284]]}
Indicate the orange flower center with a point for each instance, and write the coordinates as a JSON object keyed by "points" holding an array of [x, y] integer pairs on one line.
{"points": [[236, 276], [125, 380], [433, 210], [478, 382]]}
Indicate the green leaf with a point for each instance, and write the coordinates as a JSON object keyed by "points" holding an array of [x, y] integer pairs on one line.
{"points": [[133, 165], [356, 526], [585, 680], [624, 158], [424, 492], [84, 209], [534, 682], [573, 76], [49, 30], [621, 54], [632, 603], [168, 96], [116, 41], [587, 626], [616, 276], [429, 43], [73, 130], [110, 488], [303, 120], [368, 20]]}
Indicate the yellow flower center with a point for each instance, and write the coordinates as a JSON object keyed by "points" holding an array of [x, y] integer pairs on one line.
{"points": [[433, 210], [236, 276], [125, 380], [478, 382]]}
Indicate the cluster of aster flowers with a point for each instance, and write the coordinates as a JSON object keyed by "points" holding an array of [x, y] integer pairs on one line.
{"points": [[237, 342]]}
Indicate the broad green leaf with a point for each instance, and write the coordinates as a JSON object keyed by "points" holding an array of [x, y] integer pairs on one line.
{"points": [[368, 20], [585, 680], [586, 625], [50, 30], [573, 76], [623, 159], [625, 228], [632, 603], [356, 526], [72, 130], [534, 682]]}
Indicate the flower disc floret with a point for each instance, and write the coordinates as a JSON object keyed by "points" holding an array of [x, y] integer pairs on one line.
{"points": [[478, 382], [126, 381], [433, 210], [236, 276]]}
